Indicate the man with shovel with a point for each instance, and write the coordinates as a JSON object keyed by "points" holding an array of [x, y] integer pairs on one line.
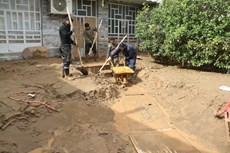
{"points": [[65, 31], [89, 37]]}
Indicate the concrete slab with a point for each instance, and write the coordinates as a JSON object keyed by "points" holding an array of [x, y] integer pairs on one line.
{"points": [[92, 67]]}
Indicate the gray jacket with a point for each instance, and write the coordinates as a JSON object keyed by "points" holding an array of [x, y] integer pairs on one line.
{"points": [[89, 35]]}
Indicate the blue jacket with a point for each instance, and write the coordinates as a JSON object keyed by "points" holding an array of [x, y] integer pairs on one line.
{"points": [[129, 52]]}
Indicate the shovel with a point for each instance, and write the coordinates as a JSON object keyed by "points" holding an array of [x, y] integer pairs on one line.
{"points": [[81, 69], [94, 40]]}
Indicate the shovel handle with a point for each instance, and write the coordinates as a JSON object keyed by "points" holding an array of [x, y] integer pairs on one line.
{"points": [[94, 40], [91, 48], [70, 21]]}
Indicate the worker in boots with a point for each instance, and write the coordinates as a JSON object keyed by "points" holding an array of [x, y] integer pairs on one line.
{"points": [[89, 37], [65, 32]]}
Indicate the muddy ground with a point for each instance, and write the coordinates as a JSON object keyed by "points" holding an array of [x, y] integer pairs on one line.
{"points": [[40, 112]]}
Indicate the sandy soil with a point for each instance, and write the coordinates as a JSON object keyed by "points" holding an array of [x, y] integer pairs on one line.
{"points": [[78, 116]]}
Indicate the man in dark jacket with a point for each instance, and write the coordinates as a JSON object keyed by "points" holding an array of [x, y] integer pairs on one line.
{"points": [[65, 31], [129, 52]]}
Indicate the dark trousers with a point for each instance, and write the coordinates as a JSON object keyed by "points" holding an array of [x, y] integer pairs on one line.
{"points": [[131, 62], [87, 48], [66, 57]]}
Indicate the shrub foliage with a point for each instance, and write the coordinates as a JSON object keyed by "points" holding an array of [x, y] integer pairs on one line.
{"points": [[194, 32]]}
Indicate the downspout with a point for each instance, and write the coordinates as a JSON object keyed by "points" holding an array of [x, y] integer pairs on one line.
{"points": [[41, 2]]}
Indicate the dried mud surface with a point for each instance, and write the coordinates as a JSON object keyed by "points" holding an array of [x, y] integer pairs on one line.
{"points": [[40, 112]]}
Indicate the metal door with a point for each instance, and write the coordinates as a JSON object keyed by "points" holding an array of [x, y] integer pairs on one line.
{"points": [[85, 12]]}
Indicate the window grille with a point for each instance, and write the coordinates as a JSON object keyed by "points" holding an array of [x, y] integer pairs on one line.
{"points": [[121, 20], [20, 21], [86, 8]]}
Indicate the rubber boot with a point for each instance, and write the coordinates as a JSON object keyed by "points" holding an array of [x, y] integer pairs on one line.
{"points": [[66, 72], [68, 76]]}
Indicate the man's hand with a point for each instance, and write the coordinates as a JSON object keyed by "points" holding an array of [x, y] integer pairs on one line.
{"points": [[74, 43], [109, 58], [72, 29]]}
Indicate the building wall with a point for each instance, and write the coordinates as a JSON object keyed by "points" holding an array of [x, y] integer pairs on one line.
{"points": [[50, 25], [20, 26]]}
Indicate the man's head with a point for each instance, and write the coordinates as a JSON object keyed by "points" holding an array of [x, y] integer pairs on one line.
{"points": [[122, 46], [87, 26], [67, 20], [112, 40]]}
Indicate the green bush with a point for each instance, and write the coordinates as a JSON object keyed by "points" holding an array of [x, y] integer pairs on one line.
{"points": [[194, 32]]}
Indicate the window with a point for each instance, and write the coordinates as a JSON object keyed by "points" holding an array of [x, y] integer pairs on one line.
{"points": [[86, 8], [17, 18], [121, 20]]}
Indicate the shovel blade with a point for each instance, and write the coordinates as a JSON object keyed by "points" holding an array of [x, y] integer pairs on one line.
{"points": [[83, 71]]}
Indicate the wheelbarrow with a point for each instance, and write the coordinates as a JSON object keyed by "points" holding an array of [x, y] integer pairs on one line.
{"points": [[121, 73]]}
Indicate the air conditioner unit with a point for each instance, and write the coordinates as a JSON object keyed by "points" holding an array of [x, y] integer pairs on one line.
{"points": [[59, 6]]}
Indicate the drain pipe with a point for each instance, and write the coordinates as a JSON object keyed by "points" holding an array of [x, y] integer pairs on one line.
{"points": [[41, 2]]}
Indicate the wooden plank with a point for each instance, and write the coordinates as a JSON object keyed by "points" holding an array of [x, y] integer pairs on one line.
{"points": [[79, 28], [91, 65], [92, 21], [106, 72]]}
